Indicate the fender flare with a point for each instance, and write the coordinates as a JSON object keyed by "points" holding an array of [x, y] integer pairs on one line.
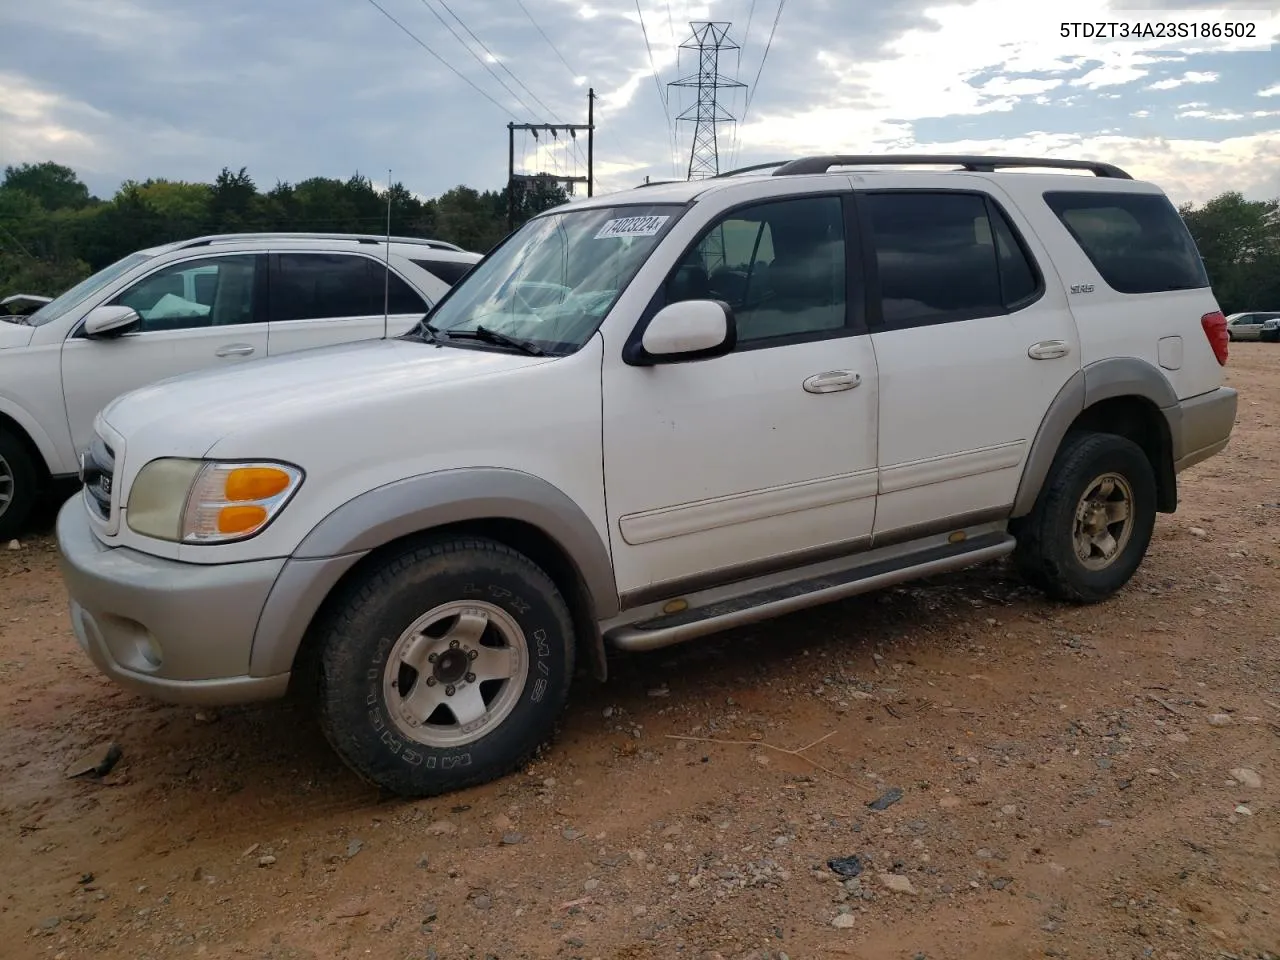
{"points": [[1103, 380], [421, 503]]}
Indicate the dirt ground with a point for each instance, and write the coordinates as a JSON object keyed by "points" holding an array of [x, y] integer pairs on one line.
{"points": [[1066, 778]]}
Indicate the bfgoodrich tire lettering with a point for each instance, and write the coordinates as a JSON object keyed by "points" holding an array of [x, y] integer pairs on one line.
{"points": [[470, 616], [1092, 524]]}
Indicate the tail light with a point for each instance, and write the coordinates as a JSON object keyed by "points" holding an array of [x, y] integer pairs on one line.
{"points": [[1215, 328]]}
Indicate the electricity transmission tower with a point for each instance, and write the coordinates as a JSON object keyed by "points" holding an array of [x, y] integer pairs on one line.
{"points": [[709, 39]]}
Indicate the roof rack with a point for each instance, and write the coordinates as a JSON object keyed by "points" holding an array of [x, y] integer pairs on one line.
{"points": [[284, 235], [975, 164], [753, 168]]}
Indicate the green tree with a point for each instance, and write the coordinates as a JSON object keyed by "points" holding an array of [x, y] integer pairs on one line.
{"points": [[469, 218], [1239, 240], [232, 201], [54, 186]]}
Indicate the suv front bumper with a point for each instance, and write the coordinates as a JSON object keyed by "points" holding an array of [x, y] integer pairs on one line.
{"points": [[179, 632]]}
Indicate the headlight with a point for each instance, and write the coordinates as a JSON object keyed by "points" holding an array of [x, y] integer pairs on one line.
{"points": [[198, 501]]}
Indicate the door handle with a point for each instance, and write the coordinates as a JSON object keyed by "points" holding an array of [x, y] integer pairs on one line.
{"points": [[1048, 350], [832, 381], [235, 350]]}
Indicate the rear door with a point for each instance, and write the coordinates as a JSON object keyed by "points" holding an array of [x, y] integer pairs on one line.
{"points": [[1137, 284], [320, 299], [973, 339]]}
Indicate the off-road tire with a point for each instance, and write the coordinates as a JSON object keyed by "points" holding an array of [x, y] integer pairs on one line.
{"points": [[364, 626], [1046, 554], [20, 482]]}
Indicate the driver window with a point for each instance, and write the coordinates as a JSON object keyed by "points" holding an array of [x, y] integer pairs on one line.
{"points": [[779, 265], [216, 291]]}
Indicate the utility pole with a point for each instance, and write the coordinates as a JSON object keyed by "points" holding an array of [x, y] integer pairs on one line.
{"points": [[555, 129], [709, 38]]}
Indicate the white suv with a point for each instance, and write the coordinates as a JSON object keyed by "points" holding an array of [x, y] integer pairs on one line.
{"points": [[647, 417], [206, 302]]}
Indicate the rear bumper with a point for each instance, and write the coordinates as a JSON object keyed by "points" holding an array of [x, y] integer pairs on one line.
{"points": [[1202, 426]]}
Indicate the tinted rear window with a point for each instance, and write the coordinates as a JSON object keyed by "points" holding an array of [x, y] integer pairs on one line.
{"points": [[450, 271], [1137, 241]]}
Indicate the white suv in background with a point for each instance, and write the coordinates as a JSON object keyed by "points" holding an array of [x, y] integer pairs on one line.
{"points": [[184, 306], [646, 417]]}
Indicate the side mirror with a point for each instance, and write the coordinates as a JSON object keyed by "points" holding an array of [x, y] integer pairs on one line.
{"points": [[686, 330], [104, 322]]}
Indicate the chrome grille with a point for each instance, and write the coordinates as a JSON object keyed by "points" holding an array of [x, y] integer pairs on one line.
{"points": [[97, 470]]}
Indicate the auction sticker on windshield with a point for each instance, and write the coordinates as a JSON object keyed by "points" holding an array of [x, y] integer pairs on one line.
{"points": [[632, 227]]}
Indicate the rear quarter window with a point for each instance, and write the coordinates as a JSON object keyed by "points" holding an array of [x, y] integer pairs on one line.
{"points": [[450, 271], [1137, 241]]}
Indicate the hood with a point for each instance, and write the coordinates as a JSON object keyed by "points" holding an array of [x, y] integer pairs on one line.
{"points": [[14, 334], [196, 410]]}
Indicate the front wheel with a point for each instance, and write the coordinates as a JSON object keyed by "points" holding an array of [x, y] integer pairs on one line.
{"points": [[1093, 521], [17, 486], [445, 667]]}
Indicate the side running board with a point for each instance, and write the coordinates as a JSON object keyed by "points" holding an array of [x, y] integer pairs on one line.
{"points": [[773, 602]]}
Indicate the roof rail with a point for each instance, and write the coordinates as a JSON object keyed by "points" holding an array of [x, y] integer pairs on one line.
{"points": [[976, 164], [753, 168], [285, 235]]}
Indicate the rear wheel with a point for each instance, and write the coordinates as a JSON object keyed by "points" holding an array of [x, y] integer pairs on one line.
{"points": [[445, 667], [1093, 521], [17, 486]]}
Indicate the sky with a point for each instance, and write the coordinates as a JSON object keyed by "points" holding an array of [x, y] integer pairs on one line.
{"points": [[290, 89]]}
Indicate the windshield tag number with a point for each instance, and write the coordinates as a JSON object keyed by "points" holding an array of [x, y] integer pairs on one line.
{"points": [[632, 227]]}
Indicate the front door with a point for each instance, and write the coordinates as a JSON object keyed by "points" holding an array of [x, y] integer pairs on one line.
{"points": [[198, 313], [974, 341], [718, 467]]}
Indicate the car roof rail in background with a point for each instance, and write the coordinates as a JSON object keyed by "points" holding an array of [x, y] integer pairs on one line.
{"points": [[283, 235], [754, 167], [973, 164]]}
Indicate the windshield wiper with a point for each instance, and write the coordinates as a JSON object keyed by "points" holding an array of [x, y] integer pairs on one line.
{"points": [[501, 339], [425, 332]]}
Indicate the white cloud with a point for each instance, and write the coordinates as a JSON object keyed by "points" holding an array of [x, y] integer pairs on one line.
{"points": [[1018, 86], [359, 94], [36, 124], [1188, 77], [1187, 169]]}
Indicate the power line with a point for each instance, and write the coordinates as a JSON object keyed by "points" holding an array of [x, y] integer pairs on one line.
{"points": [[475, 56], [751, 93], [666, 112], [652, 65], [751, 12], [573, 73], [461, 76], [499, 62]]}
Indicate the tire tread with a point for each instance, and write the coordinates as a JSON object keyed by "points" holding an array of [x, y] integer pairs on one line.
{"points": [[362, 595], [1039, 556]]}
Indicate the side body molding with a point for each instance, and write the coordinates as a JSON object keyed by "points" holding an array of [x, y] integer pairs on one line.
{"points": [[1103, 380], [453, 496]]}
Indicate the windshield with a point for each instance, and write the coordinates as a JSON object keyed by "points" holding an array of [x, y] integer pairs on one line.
{"points": [[552, 283], [85, 288]]}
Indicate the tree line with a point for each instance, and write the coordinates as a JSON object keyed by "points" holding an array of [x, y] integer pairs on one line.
{"points": [[53, 232]]}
